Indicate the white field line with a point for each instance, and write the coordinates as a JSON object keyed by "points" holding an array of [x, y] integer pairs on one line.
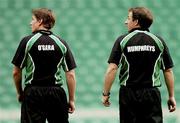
{"points": [[84, 114]]}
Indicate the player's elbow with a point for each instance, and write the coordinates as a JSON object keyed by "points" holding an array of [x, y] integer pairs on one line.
{"points": [[16, 72], [70, 74]]}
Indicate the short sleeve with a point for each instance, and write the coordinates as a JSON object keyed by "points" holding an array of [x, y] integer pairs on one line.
{"points": [[167, 59], [115, 52], [20, 54], [68, 61]]}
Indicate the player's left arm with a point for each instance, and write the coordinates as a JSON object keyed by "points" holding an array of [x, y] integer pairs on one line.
{"points": [[17, 76], [109, 79]]}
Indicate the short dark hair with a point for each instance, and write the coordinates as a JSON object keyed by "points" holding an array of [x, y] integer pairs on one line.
{"points": [[143, 15], [46, 15]]}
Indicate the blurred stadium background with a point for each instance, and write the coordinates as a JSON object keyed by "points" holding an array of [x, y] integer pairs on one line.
{"points": [[90, 27]]}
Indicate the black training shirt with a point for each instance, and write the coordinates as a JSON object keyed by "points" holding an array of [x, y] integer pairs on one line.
{"points": [[140, 56], [42, 54]]}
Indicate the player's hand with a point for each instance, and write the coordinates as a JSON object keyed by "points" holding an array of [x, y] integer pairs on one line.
{"points": [[105, 101], [171, 104], [20, 97], [71, 107]]}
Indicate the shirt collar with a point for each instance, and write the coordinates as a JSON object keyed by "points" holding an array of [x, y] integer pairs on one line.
{"points": [[46, 32], [138, 29]]}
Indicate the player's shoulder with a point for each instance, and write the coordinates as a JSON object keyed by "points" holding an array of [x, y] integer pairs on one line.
{"points": [[121, 37], [61, 40], [156, 35], [25, 39]]}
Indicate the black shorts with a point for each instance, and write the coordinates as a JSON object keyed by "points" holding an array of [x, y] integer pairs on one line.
{"points": [[44, 103], [140, 105]]}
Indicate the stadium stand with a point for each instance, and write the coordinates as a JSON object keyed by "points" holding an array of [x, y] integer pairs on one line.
{"points": [[90, 27]]}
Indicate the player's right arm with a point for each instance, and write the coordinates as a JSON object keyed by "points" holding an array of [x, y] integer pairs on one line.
{"points": [[169, 79], [71, 84]]}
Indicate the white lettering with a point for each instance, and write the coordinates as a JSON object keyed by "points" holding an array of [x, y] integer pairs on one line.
{"points": [[45, 47], [141, 48]]}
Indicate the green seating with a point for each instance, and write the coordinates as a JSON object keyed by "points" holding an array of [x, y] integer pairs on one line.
{"points": [[90, 27]]}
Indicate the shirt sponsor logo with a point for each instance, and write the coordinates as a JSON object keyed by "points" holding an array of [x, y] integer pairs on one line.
{"points": [[141, 48], [45, 47]]}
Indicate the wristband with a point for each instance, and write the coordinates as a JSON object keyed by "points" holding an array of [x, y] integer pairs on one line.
{"points": [[106, 94]]}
